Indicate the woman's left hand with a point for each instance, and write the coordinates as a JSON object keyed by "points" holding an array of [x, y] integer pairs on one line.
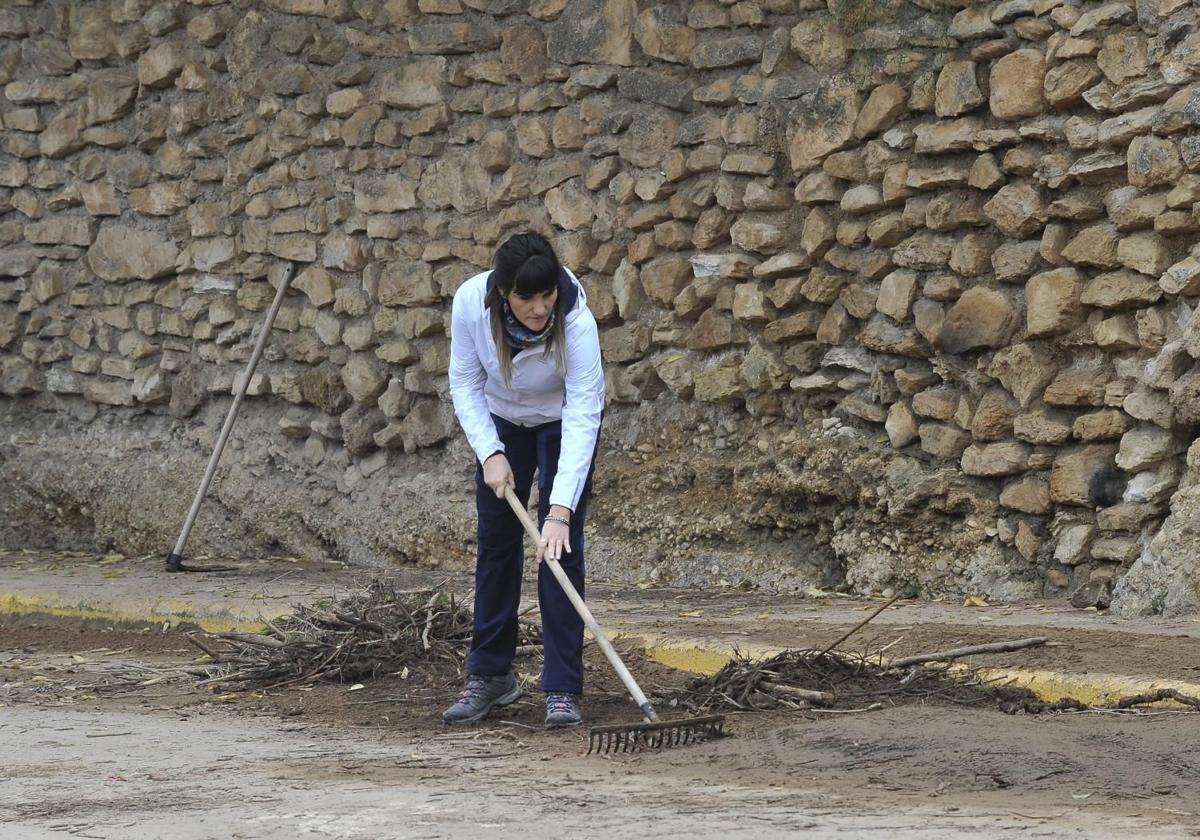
{"points": [[556, 540]]}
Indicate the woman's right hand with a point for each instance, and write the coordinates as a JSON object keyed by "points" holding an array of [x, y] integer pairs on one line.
{"points": [[497, 474]]}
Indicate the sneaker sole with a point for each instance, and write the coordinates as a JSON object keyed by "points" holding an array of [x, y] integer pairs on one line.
{"points": [[500, 702], [571, 725]]}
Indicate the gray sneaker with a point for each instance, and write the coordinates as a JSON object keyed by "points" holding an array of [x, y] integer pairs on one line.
{"points": [[481, 695], [562, 711]]}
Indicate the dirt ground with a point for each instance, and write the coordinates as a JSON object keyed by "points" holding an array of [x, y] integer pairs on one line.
{"points": [[904, 629], [105, 737]]}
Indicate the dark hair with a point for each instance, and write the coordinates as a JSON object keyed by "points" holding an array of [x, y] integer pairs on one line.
{"points": [[527, 265]]}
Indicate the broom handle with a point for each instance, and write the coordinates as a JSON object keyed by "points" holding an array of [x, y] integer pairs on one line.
{"points": [[580, 607], [176, 556]]}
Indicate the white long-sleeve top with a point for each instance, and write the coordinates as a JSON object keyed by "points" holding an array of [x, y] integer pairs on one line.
{"points": [[537, 394]]}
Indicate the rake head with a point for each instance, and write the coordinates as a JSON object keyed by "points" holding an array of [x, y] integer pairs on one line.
{"points": [[654, 736]]}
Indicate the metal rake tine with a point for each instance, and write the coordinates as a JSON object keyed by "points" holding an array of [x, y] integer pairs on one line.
{"points": [[654, 736]]}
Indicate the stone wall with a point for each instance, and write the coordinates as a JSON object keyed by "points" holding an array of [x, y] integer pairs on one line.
{"points": [[960, 234]]}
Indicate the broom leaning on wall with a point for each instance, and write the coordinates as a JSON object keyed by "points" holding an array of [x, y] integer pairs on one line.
{"points": [[175, 557]]}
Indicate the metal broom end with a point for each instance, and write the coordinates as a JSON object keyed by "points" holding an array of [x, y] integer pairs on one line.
{"points": [[628, 738]]}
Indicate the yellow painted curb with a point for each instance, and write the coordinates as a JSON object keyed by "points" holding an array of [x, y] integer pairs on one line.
{"points": [[176, 612], [696, 655], [1103, 690]]}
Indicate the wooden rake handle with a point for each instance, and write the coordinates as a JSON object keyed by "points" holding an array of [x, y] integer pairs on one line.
{"points": [[586, 614]]}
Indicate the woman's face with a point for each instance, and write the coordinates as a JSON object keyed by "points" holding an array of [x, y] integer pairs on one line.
{"points": [[533, 310]]}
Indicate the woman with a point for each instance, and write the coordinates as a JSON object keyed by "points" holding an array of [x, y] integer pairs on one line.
{"points": [[528, 390]]}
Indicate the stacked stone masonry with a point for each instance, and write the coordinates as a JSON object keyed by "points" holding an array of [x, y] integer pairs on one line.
{"points": [[969, 226]]}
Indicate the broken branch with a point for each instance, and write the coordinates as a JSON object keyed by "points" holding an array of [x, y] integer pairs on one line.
{"points": [[825, 698], [970, 650], [1155, 696], [212, 654]]}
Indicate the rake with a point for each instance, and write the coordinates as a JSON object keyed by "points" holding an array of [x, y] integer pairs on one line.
{"points": [[653, 733]]}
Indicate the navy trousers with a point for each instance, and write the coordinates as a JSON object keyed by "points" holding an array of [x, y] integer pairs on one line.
{"points": [[500, 559]]}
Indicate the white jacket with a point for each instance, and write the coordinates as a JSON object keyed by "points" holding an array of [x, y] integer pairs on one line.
{"points": [[537, 394]]}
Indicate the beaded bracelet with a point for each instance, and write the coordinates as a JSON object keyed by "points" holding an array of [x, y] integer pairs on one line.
{"points": [[552, 518]]}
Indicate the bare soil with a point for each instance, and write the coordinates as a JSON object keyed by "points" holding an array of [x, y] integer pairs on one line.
{"points": [[115, 660], [1143, 765], [901, 631]]}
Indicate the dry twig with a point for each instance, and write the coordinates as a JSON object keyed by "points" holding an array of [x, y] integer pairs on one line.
{"points": [[860, 625], [1159, 695]]}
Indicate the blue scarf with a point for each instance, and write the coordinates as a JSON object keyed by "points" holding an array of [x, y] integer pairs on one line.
{"points": [[519, 336]]}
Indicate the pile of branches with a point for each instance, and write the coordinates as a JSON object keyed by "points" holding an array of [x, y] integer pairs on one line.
{"points": [[803, 679], [812, 679], [375, 632]]}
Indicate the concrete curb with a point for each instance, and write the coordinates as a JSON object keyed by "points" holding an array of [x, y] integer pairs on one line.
{"points": [[175, 611], [1092, 689], [697, 655]]}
